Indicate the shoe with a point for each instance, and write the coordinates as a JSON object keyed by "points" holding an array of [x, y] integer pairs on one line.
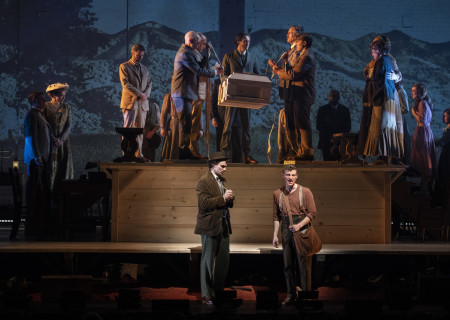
{"points": [[379, 162], [288, 302], [250, 160], [197, 156], [304, 158], [207, 301]]}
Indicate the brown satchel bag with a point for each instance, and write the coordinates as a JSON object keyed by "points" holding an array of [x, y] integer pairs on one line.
{"points": [[306, 240]]}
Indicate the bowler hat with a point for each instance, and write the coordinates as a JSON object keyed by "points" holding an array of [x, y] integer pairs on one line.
{"points": [[218, 156]]}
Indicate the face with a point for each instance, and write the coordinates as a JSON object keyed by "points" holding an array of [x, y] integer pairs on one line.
{"points": [[220, 168], [41, 102], [137, 56], [446, 117], [376, 53], [414, 93], [300, 45], [291, 35], [244, 44], [59, 98], [201, 45], [289, 178], [334, 98]]}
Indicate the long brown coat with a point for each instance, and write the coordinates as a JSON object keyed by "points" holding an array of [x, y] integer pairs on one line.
{"points": [[211, 205]]}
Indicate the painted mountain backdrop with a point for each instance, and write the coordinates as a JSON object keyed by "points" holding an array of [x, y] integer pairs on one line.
{"points": [[88, 60]]}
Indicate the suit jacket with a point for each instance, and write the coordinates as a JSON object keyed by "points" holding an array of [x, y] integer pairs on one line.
{"points": [[133, 84], [232, 62], [186, 71], [292, 58], [330, 121], [211, 206], [298, 79], [37, 136]]}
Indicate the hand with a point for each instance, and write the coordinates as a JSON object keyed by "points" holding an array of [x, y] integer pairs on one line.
{"points": [[228, 195], [143, 97], [58, 142], [150, 133], [275, 241], [392, 76], [276, 69], [295, 227], [215, 123], [219, 70], [200, 133], [163, 132]]}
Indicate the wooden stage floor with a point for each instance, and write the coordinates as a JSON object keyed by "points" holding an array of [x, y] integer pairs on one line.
{"points": [[249, 248]]}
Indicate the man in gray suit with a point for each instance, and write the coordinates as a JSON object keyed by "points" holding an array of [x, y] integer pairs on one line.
{"points": [[236, 128], [213, 224], [186, 71], [136, 88]]}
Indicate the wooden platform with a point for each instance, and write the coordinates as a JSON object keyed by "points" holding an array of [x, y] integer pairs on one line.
{"points": [[157, 203], [249, 248]]}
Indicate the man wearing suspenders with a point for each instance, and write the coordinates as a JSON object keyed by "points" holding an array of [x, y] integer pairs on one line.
{"points": [[303, 209]]}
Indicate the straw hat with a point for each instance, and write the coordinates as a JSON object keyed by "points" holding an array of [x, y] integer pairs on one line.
{"points": [[56, 86]]}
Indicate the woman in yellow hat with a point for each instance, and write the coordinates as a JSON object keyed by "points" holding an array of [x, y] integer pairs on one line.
{"points": [[59, 116]]}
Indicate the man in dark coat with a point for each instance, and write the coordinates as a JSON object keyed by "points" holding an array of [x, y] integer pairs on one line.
{"points": [[236, 128], [299, 94], [186, 71], [332, 118], [213, 224]]}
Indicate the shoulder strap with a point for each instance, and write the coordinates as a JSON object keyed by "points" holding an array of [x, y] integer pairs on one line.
{"points": [[300, 196], [280, 200]]}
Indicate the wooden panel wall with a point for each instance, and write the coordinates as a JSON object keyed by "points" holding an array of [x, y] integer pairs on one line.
{"points": [[158, 203]]}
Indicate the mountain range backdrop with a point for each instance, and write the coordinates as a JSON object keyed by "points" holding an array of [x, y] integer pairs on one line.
{"points": [[44, 42]]}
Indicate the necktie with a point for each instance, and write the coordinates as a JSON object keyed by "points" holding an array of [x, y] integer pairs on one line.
{"points": [[219, 181]]}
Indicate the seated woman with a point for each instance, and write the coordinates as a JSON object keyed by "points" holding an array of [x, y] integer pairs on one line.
{"points": [[423, 156], [443, 180], [59, 116]]}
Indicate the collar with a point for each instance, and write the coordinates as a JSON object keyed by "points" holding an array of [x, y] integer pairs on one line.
{"points": [[293, 46], [334, 107], [217, 178], [292, 190], [136, 64]]}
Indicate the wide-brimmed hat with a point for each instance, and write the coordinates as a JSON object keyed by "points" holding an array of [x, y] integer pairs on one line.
{"points": [[56, 86], [218, 156]]}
